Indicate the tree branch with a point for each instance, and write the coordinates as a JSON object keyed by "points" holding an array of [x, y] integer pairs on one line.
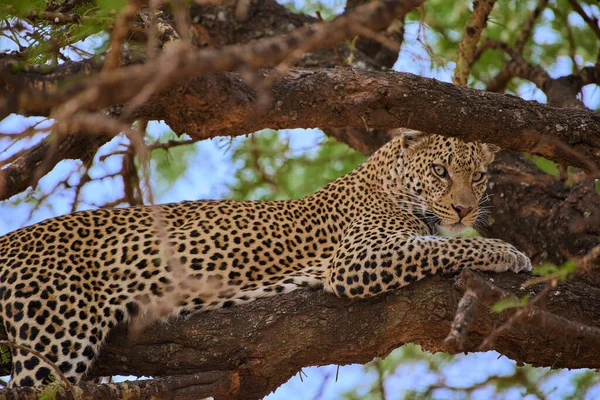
{"points": [[592, 22], [269, 350], [498, 83], [181, 387], [470, 40], [223, 104]]}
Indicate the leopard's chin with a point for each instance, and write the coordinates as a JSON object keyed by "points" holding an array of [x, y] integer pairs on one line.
{"points": [[456, 227]]}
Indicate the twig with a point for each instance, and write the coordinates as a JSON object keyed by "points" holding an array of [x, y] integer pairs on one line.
{"points": [[42, 357], [100, 92], [522, 313], [498, 83], [518, 66], [378, 37], [470, 40], [591, 21], [54, 17], [489, 294]]}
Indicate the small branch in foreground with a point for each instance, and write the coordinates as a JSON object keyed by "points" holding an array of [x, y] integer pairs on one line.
{"points": [[122, 84], [15, 346], [466, 311], [519, 316], [479, 289], [119, 34]]}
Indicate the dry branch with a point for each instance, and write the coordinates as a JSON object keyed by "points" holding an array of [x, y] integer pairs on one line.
{"points": [[121, 85], [498, 83]]}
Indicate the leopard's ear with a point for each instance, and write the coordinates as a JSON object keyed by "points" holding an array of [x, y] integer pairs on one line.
{"points": [[412, 139], [489, 150]]}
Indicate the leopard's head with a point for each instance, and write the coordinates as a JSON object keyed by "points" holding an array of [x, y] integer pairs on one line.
{"points": [[448, 176]]}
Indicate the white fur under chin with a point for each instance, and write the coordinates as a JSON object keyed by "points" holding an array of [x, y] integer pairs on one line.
{"points": [[454, 229]]}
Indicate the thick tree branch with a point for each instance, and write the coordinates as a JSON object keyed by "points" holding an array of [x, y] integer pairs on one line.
{"points": [[180, 387], [224, 105], [269, 350], [339, 98]]}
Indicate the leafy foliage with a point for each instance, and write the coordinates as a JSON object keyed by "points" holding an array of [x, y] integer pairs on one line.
{"points": [[427, 376], [169, 164], [51, 389], [552, 271], [5, 356], [269, 168]]}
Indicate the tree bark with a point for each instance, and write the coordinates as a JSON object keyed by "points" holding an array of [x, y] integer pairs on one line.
{"points": [[268, 341], [223, 105]]}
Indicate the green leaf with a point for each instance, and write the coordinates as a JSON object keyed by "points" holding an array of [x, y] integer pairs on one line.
{"points": [[50, 390], [512, 302], [111, 5], [5, 356], [553, 271]]}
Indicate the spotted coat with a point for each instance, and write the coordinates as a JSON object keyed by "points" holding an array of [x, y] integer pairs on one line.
{"points": [[67, 281]]}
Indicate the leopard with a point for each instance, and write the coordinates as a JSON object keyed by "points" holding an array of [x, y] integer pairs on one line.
{"points": [[68, 281]]}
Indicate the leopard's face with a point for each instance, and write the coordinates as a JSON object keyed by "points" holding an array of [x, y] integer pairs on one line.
{"points": [[448, 176]]}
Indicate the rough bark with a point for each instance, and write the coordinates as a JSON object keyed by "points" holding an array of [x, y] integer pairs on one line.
{"points": [[268, 341], [541, 215], [222, 104]]}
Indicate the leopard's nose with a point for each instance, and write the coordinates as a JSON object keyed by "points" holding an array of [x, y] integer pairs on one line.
{"points": [[462, 211]]}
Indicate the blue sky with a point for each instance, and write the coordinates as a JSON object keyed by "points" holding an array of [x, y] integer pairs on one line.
{"points": [[208, 176]]}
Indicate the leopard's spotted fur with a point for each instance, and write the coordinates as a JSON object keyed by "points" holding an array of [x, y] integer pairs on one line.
{"points": [[65, 282]]}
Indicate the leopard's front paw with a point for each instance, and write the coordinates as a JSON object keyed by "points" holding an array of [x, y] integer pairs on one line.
{"points": [[518, 261], [508, 258]]}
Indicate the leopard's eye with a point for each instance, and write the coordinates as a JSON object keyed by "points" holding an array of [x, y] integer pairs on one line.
{"points": [[440, 170], [478, 176]]}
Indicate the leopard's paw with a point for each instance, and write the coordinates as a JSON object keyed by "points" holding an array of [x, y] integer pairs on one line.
{"points": [[508, 258], [519, 261]]}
